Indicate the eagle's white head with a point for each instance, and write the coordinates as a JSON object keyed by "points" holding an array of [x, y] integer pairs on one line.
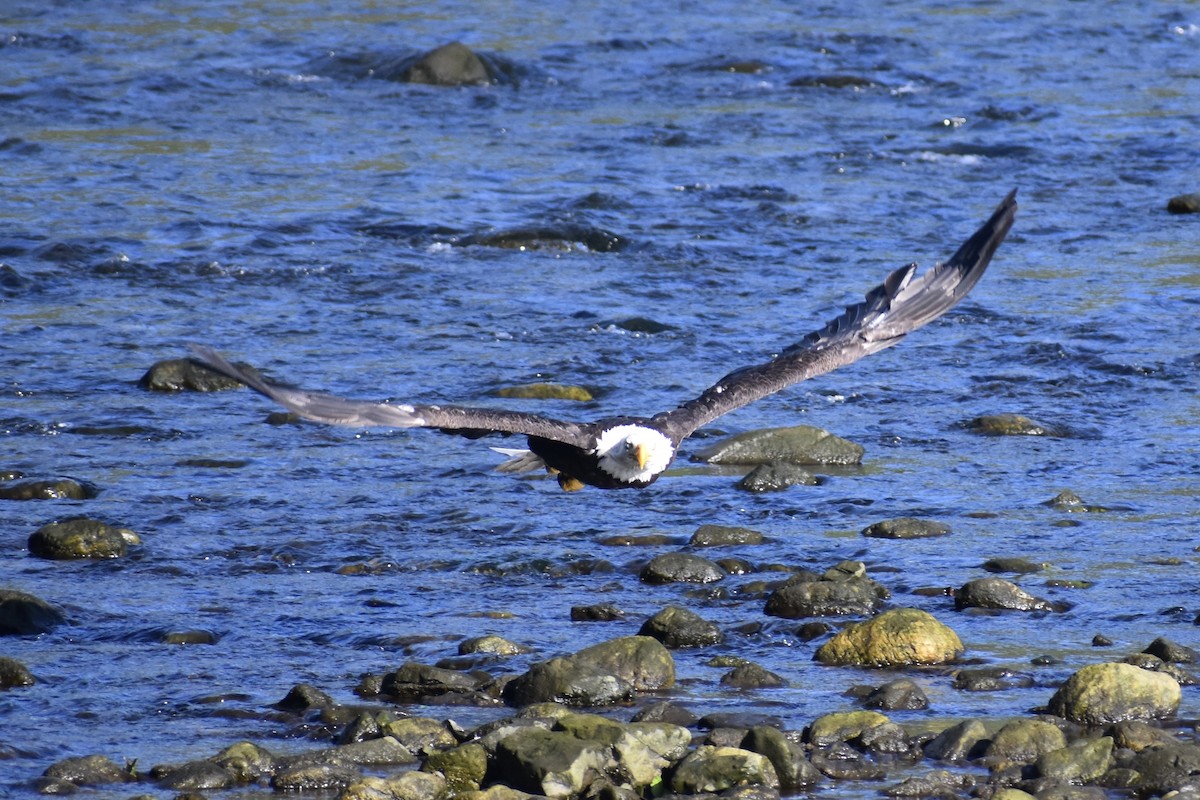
{"points": [[633, 453]]}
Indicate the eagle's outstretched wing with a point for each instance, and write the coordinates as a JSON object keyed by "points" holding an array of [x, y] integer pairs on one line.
{"points": [[890, 311], [332, 410]]}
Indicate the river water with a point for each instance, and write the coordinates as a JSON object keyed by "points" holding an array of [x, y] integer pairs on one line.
{"points": [[232, 173]]}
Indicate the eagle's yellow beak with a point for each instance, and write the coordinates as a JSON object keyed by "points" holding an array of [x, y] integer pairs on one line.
{"points": [[641, 454]]}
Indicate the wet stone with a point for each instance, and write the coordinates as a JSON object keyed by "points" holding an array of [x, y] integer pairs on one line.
{"points": [[183, 374], [1103, 694], [315, 778], [600, 612], [898, 637], [14, 674], [998, 593], [776, 477], [603, 674], [906, 528], [421, 735], [715, 769], [724, 535], [23, 614], [464, 766], [452, 64], [1171, 652], [94, 770], [797, 599], [939, 783], [800, 444], [1015, 565], [304, 697], [1083, 761], [490, 645], [901, 694], [991, 679], [1022, 741], [414, 682], [80, 538], [794, 771], [550, 763], [842, 726], [681, 568], [752, 676], [57, 489], [546, 391], [410, 785], [678, 627], [194, 776], [959, 742], [1184, 203], [1162, 770], [1006, 425]]}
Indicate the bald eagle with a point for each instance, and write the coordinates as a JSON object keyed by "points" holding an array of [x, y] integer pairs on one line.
{"points": [[632, 452]]}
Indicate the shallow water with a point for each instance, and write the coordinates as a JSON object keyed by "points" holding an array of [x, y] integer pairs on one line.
{"points": [[204, 173]]}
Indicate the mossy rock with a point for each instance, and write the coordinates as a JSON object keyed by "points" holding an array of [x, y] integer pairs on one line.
{"points": [[898, 637], [546, 391]]}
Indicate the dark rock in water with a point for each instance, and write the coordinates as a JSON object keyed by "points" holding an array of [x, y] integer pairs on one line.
{"points": [[752, 676], [723, 535], [362, 728], [794, 771], [1067, 500], [58, 489], [194, 776], [1017, 566], [1137, 735], [556, 238], [1103, 694], [800, 444], [80, 538], [833, 81], [842, 726], [13, 674], [1171, 652], [681, 568], [991, 679], [190, 637], [998, 593], [678, 627], [906, 528], [179, 374], [843, 763], [93, 770], [452, 64], [420, 735], [797, 599], [642, 325], [600, 612], [901, 694], [415, 682], [305, 697], [666, 711], [599, 675], [958, 742], [776, 477], [1007, 425], [1184, 203], [23, 614]]}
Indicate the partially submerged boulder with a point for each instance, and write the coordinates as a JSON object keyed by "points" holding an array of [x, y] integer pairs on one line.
{"points": [[898, 637], [799, 444], [1103, 694]]}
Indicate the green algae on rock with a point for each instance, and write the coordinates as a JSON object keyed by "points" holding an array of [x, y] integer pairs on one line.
{"points": [[1103, 694], [898, 637]]}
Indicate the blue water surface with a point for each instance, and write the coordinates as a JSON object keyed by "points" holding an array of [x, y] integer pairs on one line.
{"points": [[229, 173]]}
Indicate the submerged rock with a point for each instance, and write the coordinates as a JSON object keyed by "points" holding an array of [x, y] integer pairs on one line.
{"points": [[681, 567], [94, 770], [1103, 694], [901, 694], [906, 528], [899, 637], [724, 535], [23, 614], [775, 477], [1006, 425], [13, 674], [180, 374], [599, 675], [1184, 203], [452, 64], [80, 538], [800, 444], [752, 676], [798, 598], [55, 489]]}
